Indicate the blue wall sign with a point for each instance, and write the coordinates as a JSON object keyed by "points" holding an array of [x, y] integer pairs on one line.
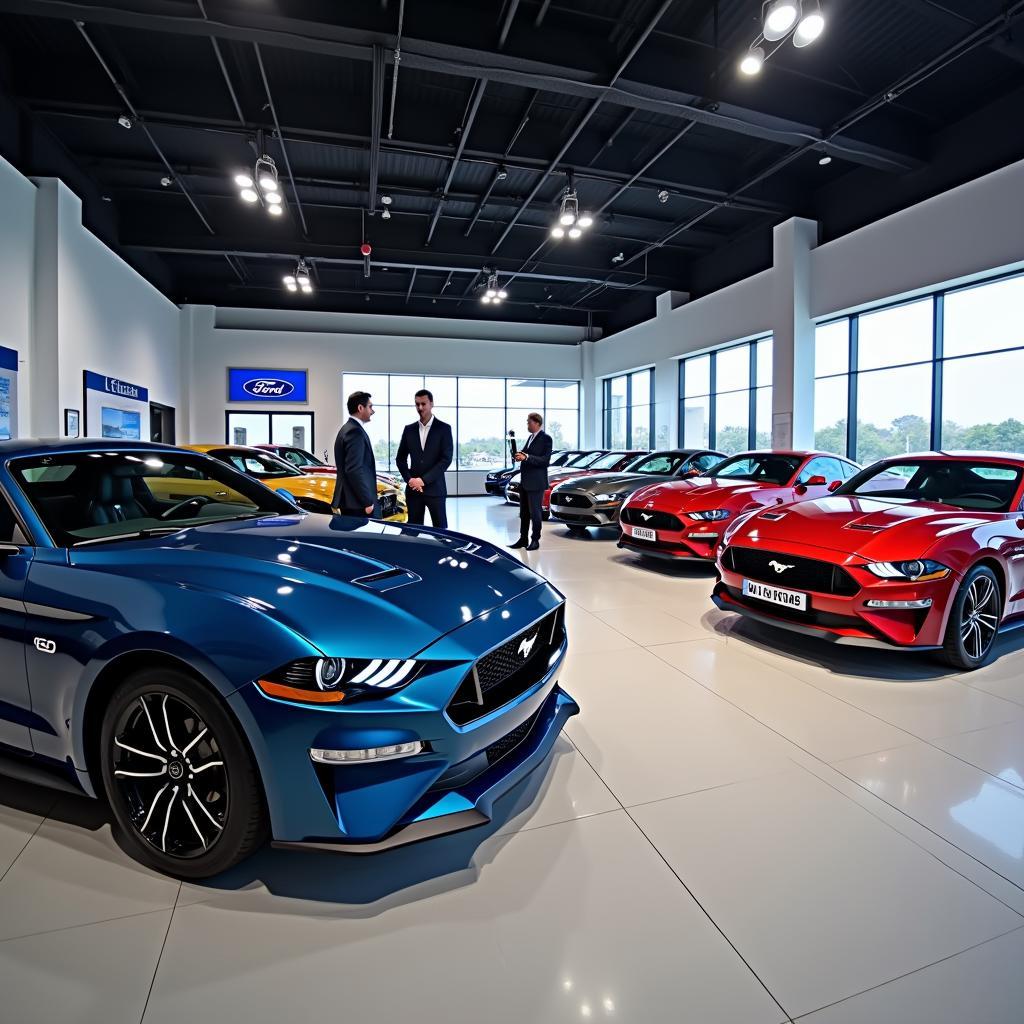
{"points": [[8, 359], [262, 385], [116, 387]]}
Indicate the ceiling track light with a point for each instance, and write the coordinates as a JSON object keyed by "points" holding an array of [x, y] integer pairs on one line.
{"points": [[301, 280], [262, 186], [494, 292], [571, 221], [802, 21]]}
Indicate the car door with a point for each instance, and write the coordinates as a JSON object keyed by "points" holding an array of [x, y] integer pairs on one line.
{"points": [[15, 699]]}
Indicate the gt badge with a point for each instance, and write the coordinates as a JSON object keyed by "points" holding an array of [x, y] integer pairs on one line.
{"points": [[779, 566], [526, 646], [46, 646]]}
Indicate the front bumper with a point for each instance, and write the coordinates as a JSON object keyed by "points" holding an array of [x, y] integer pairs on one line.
{"points": [[674, 545], [451, 785], [847, 619], [495, 487], [603, 516]]}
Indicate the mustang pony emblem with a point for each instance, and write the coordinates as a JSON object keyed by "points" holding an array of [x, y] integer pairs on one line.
{"points": [[526, 646], [645, 516], [779, 566]]}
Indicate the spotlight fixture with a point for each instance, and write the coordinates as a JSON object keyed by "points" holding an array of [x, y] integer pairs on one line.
{"points": [[502, 174], [618, 257], [753, 61], [261, 186], [125, 121], [825, 161], [385, 214], [300, 280], [166, 182], [571, 221], [386, 200], [494, 292], [800, 20], [663, 196], [779, 17]]}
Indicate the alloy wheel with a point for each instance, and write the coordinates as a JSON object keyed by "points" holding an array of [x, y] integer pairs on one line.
{"points": [[979, 617], [170, 771]]}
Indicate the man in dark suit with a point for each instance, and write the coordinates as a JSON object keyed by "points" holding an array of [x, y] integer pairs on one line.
{"points": [[355, 493], [533, 480], [428, 444]]}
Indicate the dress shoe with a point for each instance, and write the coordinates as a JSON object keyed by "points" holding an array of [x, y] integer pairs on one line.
{"points": [[535, 546], [518, 544]]}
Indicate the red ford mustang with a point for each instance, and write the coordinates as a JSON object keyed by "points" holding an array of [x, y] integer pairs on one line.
{"points": [[684, 519], [920, 551]]}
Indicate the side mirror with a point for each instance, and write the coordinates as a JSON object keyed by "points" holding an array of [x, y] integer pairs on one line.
{"points": [[816, 481], [9, 549], [835, 485], [288, 494]]}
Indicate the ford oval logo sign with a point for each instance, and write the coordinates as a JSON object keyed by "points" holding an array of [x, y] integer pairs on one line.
{"points": [[268, 387]]}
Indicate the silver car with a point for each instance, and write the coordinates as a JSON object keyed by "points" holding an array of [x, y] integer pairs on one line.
{"points": [[596, 500]]}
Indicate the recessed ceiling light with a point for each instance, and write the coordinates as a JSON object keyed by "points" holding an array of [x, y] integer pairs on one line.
{"points": [[825, 161]]}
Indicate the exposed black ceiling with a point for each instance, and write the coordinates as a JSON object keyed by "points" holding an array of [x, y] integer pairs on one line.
{"points": [[495, 103]]}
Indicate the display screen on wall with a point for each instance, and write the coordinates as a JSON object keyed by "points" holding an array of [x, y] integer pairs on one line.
{"points": [[121, 423], [8, 393], [248, 384]]}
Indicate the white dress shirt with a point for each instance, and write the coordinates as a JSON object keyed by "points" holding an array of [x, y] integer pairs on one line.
{"points": [[424, 431]]}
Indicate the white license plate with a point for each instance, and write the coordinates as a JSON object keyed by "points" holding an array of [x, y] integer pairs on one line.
{"points": [[775, 595], [642, 533]]}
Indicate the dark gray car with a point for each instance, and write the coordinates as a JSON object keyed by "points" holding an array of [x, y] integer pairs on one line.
{"points": [[596, 500]]}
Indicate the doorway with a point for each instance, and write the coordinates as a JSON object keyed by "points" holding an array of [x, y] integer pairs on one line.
{"points": [[161, 423]]}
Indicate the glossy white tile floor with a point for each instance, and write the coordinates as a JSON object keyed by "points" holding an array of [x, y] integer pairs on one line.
{"points": [[739, 827]]}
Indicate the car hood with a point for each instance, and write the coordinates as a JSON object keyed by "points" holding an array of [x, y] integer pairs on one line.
{"points": [[881, 529], [700, 492], [334, 581], [601, 482]]}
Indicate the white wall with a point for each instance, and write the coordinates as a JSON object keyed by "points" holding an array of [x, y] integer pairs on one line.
{"points": [[970, 232], [329, 345], [17, 266]]}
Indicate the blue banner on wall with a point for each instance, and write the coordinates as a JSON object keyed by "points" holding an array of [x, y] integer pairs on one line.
{"points": [[8, 359], [114, 386], [246, 384]]}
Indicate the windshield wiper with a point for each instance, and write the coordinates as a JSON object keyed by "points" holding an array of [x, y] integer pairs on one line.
{"points": [[153, 531]]}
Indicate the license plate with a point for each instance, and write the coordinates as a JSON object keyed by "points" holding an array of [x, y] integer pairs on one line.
{"points": [[643, 533], [775, 595]]}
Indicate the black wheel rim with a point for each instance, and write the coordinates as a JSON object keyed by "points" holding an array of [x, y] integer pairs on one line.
{"points": [[169, 770], [979, 618]]}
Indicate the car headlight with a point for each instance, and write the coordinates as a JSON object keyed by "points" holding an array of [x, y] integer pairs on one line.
{"points": [[332, 680], [614, 496], [917, 570], [713, 516]]}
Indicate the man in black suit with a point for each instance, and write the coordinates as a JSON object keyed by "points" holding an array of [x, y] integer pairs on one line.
{"points": [[429, 444], [533, 480], [355, 493]]}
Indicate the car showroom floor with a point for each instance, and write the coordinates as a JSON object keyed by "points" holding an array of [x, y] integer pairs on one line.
{"points": [[738, 827]]}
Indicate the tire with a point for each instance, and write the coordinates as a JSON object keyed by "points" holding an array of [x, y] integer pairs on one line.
{"points": [[217, 815], [976, 612], [576, 531]]}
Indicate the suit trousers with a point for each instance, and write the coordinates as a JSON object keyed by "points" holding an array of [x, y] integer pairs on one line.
{"points": [[530, 513], [375, 514], [419, 503]]}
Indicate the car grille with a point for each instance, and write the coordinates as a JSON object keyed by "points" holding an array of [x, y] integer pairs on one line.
{"points": [[571, 500], [504, 673], [803, 574], [388, 505], [584, 518], [497, 750], [651, 518]]}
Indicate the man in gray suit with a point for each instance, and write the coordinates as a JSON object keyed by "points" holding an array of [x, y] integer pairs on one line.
{"points": [[355, 493]]}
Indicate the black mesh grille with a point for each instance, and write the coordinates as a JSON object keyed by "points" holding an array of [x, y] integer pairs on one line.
{"points": [[800, 574], [572, 500], [497, 750], [651, 518], [508, 670]]}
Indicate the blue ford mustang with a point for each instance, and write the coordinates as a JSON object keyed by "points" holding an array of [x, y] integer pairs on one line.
{"points": [[221, 666]]}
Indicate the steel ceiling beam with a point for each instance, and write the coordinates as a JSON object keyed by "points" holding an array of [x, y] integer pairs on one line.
{"points": [[358, 143], [506, 25], [376, 116], [223, 67], [447, 59]]}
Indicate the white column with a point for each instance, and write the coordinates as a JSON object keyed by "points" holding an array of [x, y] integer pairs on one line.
{"points": [[591, 399], [793, 361], [45, 341]]}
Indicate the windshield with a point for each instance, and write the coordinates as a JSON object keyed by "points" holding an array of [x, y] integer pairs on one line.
{"points": [[582, 459], [961, 483], [261, 465], [661, 463], [766, 469], [88, 496], [298, 457], [613, 460]]}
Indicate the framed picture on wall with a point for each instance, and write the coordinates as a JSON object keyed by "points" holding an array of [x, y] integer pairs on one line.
{"points": [[71, 423]]}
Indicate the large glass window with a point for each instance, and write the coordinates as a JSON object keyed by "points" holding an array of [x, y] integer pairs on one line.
{"points": [[629, 410], [480, 410], [725, 398], [291, 428], [940, 372]]}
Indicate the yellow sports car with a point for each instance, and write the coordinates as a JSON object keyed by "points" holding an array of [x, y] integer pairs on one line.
{"points": [[312, 491]]}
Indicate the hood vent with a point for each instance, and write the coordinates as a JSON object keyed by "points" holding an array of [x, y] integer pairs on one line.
{"points": [[389, 579], [865, 527], [774, 517]]}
